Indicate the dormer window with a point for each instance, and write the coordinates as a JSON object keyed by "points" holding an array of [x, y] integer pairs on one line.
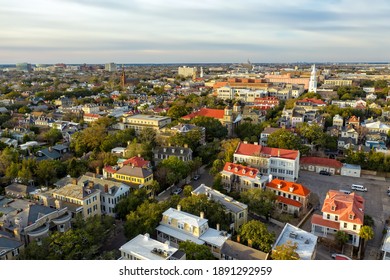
{"points": [[251, 173], [243, 171], [333, 207], [236, 169], [229, 167], [351, 216]]}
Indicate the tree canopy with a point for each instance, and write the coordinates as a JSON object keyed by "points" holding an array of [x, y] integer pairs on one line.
{"points": [[255, 233]]}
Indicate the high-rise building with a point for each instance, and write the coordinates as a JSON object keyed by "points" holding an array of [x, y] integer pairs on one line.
{"points": [[313, 79], [187, 71], [24, 66], [110, 67]]}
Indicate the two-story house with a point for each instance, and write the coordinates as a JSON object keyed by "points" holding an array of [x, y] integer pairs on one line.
{"points": [[280, 163], [111, 192], [240, 177], [292, 197], [161, 153], [79, 199], [340, 212], [238, 212], [10, 248], [177, 226]]}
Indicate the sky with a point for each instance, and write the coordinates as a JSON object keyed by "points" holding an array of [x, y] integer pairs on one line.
{"points": [[194, 31]]}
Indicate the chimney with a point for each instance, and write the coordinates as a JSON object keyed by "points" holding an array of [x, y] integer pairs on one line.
{"points": [[50, 149], [106, 188], [291, 189], [58, 204], [185, 145], [278, 152], [256, 143], [178, 207], [146, 236], [218, 227], [97, 170], [139, 155], [91, 184], [74, 181], [202, 215], [238, 238]]}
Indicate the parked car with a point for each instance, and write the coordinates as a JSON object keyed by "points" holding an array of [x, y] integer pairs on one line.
{"points": [[196, 177], [178, 191], [324, 172], [359, 188], [340, 257]]}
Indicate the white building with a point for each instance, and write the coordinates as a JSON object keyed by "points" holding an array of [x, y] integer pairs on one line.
{"points": [[386, 246], [238, 211], [280, 163], [313, 80], [306, 242], [177, 226], [142, 247], [187, 71], [110, 67], [351, 170]]}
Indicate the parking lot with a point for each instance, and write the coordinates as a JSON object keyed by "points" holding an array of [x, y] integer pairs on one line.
{"points": [[377, 202]]}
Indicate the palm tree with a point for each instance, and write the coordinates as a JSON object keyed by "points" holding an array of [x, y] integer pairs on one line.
{"points": [[365, 233]]}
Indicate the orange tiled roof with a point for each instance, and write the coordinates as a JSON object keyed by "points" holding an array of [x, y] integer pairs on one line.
{"points": [[240, 170], [345, 205], [319, 220], [256, 150], [321, 161], [219, 84], [136, 161], [92, 115], [206, 112], [109, 169], [288, 187], [289, 201]]}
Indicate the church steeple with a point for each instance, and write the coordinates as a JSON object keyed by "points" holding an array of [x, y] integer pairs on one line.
{"points": [[123, 78], [313, 80]]}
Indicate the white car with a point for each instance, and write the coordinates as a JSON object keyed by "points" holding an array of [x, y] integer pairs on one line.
{"points": [[178, 191]]}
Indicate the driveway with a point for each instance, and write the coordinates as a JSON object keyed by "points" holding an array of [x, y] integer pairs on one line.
{"points": [[377, 203]]}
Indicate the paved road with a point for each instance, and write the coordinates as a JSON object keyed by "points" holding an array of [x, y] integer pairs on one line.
{"points": [[377, 203]]}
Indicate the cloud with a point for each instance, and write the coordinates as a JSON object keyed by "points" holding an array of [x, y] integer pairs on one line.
{"points": [[218, 29]]}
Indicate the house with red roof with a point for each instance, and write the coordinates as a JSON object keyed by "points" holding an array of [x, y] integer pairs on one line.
{"points": [[340, 212], [89, 117], [227, 117], [239, 178], [280, 163], [292, 198], [136, 161], [317, 164]]}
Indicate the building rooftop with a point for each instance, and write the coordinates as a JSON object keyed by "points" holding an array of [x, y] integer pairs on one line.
{"points": [[259, 150], [241, 252], [185, 217], [147, 117], [321, 161], [228, 202], [306, 241], [75, 191], [147, 248]]}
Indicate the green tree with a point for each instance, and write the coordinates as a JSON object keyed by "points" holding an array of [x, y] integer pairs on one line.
{"points": [[255, 233], [177, 168], [53, 135], [284, 139], [176, 112], [145, 219], [130, 203], [187, 190], [313, 133], [46, 171], [366, 233], [248, 130], [214, 128], [195, 251], [341, 238], [286, 251], [259, 201]]}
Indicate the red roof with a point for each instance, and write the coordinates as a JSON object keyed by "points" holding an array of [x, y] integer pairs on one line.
{"points": [[321, 162], [109, 169], [257, 150], [240, 170], [319, 220], [289, 201], [312, 100], [288, 187], [345, 205], [219, 84], [92, 115], [136, 161], [212, 113]]}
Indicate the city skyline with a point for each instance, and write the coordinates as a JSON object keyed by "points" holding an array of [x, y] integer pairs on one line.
{"points": [[85, 31]]}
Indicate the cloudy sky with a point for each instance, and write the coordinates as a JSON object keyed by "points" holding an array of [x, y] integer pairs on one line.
{"points": [[173, 31]]}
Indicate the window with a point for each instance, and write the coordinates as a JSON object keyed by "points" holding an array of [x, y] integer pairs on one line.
{"points": [[345, 225], [180, 225], [354, 227], [336, 218], [327, 216]]}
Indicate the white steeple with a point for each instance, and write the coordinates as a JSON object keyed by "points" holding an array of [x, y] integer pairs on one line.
{"points": [[201, 72], [313, 79]]}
